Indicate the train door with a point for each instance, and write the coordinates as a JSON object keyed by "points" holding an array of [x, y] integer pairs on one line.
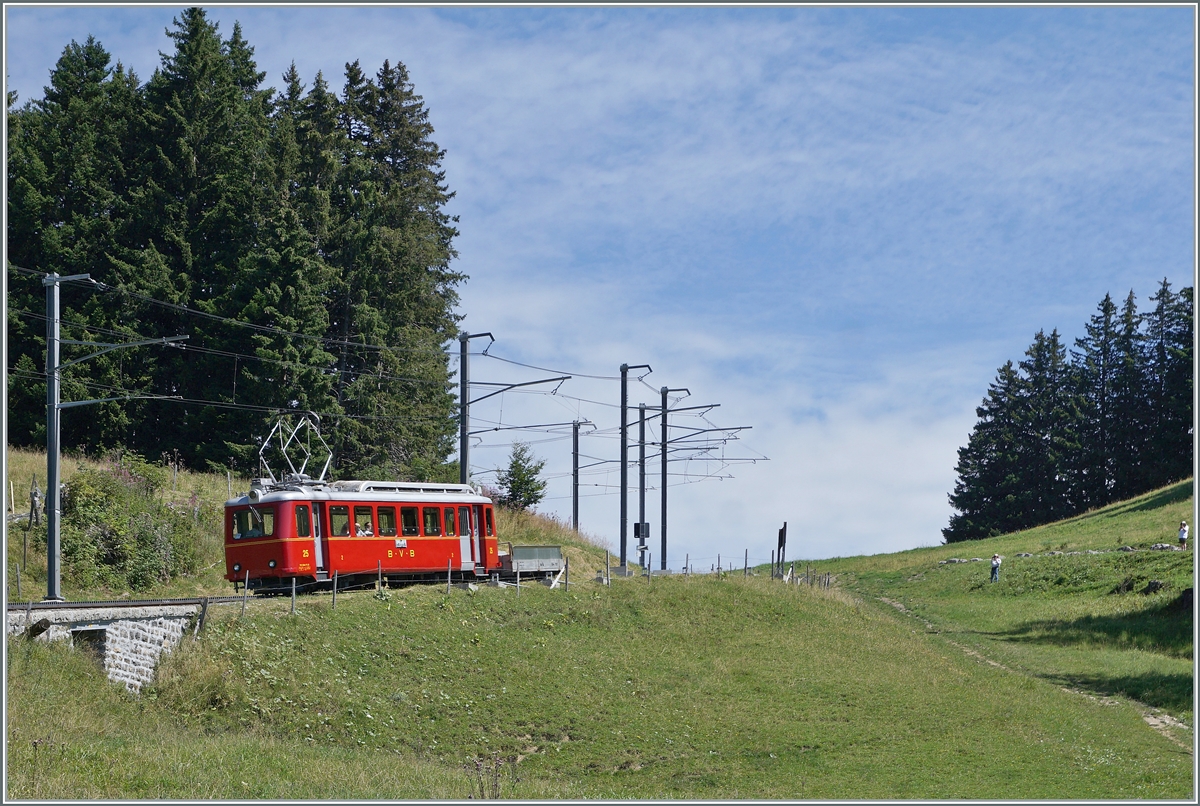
{"points": [[320, 539], [477, 548], [466, 541]]}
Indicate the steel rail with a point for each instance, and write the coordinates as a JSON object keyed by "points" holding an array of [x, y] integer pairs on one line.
{"points": [[43, 605]]}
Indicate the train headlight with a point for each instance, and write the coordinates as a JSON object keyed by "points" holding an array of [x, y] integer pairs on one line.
{"points": [[237, 567], [271, 564]]}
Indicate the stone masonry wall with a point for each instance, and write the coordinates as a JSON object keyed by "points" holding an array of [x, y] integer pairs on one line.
{"points": [[132, 648]]}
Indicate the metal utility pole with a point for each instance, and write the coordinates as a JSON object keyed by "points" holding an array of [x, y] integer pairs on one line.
{"points": [[643, 534], [54, 420], [663, 488], [623, 568], [464, 406], [575, 471], [53, 492], [575, 475]]}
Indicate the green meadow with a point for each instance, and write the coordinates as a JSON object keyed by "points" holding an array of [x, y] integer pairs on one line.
{"points": [[905, 679]]}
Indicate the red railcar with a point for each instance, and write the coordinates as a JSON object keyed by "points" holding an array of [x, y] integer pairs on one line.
{"points": [[306, 530]]}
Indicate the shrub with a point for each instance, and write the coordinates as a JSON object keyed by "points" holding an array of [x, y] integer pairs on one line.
{"points": [[117, 534]]}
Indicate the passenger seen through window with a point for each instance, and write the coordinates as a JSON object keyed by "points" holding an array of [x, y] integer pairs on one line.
{"points": [[362, 522]]}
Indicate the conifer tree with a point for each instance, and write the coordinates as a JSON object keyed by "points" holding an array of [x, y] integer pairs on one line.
{"points": [[1048, 418], [1168, 345], [68, 174], [987, 495], [1096, 362], [1129, 435], [520, 487]]}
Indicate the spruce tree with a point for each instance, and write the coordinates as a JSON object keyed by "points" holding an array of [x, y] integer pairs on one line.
{"points": [[1129, 438], [390, 240], [1048, 419], [520, 487], [987, 494], [1168, 347], [1096, 363], [68, 173]]}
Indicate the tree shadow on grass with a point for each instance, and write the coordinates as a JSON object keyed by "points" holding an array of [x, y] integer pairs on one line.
{"points": [[1171, 692], [1175, 494], [1166, 630]]}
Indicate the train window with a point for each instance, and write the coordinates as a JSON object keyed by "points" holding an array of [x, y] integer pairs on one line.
{"points": [[433, 521], [487, 517], [464, 520], [387, 521], [339, 521], [362, 522], [303, 527], [254, 522], [408, 521], [450, 530]]}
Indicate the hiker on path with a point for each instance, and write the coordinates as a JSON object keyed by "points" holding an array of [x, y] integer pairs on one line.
{"points": [[995, 568], [1183, 530]]}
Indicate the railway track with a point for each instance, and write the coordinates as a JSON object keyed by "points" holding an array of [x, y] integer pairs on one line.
{"points": [[45, 605]]}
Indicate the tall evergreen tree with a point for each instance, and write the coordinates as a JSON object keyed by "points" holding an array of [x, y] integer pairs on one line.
{"points": [[1129, 435], [68, 176], [1048, 419], [1168, 346], [987, 495], [205, 200], [391, 241], [1058, 438], [1096, 363]]}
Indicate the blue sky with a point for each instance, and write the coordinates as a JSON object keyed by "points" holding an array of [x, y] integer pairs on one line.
{"points": [[835, 222]]}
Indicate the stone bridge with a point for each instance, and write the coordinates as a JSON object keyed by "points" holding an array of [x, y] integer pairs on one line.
{"points": [[127, 638]]}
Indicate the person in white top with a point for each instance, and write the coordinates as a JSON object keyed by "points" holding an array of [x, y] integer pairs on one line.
{"points": [[995, 568], [1183, 530]]}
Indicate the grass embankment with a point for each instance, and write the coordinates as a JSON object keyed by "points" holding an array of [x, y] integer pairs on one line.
{"points": [[679, 687]]}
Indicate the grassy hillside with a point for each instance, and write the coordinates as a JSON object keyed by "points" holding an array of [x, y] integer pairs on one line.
{"points": [[671, 688], [1076, 612]]}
